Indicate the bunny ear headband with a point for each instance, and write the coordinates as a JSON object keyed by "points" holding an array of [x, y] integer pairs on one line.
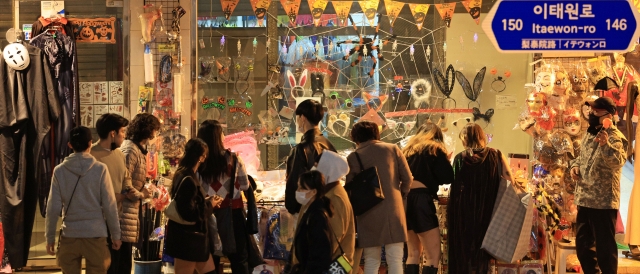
{"points": [[444, 85], [472, 92], [297, 87], [486, 116], [421, 92]]}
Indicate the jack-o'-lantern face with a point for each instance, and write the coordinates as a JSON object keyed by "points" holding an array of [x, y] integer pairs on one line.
{"points": [[571, 121], [419, 17], [544, 81], [260, 12], [370, 13], [316, 13], [474, 12], [86, 34], [536, 101]]}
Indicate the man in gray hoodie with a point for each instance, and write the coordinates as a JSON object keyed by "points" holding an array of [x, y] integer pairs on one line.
{"points": [[81, 192]]}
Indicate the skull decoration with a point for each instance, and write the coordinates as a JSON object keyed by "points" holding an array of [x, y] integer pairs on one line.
{"points": [[571, 121], [578, 79]]}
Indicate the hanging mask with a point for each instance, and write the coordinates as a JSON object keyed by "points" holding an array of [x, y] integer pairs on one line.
{"points": [[579, 81], [561, 142], [544, 81], [571, 121], [535, 102], [16, 56], [557, 98]]}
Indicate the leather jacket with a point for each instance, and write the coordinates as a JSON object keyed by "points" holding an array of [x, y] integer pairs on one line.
{"points": [[300, 160]]}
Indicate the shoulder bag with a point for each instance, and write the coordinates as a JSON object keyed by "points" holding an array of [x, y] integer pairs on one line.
{"points": [[172, 210], [67, 210], [340, 264], [364, 190]]}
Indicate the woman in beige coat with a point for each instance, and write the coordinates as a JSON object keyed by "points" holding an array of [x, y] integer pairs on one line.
{"points": [[384, 224]]}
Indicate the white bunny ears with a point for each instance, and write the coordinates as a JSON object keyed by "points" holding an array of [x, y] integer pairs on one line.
{"points": [[297, 87]]}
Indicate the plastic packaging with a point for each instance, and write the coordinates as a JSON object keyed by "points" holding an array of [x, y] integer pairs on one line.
{"points": [[149, 75]]}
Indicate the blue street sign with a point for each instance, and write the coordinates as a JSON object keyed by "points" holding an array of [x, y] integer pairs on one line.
{"points": [[560, 25]]}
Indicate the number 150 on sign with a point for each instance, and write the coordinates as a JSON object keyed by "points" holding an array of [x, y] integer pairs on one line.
{"points": [[512, 24]]}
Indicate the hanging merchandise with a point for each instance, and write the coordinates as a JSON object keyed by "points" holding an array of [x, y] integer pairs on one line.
{"points": [[374, 104], [446, 12], [222, 43], [148, 16], [207, 73], [419, 12], [149, 74], [538, 108], [370, 9], [545, 78], [421, 92], [317, 9], [177, 93], [16, 56], [291, 7], [474, 8], [177, 13], [472, 92], [165, 69], [260, 8], [393, 10], [579, 88], [557, 99], [255, 45], [222, 66], [444, 84], [228, 6], [499, 83], [342, 9], [297, 86], [597, 68], [338, 123], [477, 115]]}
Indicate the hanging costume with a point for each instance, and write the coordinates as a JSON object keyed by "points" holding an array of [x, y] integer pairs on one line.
{"points": [[29, 105], [473, 195], [632, 237], [60, 51]]}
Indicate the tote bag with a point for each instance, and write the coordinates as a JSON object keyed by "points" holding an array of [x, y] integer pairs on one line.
{"points": [[364, 190]]}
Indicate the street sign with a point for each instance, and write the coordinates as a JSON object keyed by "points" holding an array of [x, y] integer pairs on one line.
{"points": [[560, 25]]}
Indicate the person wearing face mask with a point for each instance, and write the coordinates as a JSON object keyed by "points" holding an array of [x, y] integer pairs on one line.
{"points": [[597, 194], [111, 129], [143, 128], [302, 158], [312, 243]]}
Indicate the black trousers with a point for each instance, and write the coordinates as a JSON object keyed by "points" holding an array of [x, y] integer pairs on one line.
{"points": [[239, 259], [121, 260], [595, 240]]}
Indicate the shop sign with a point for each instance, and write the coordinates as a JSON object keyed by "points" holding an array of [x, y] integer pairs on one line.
{"points": [[95, 30], [549, 26]]}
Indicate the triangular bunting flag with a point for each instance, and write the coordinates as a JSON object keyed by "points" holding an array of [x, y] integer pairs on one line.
{"points": [[317, 9], [446, 12], [474, 8], [370, 9], [342, 10], [419, 12], [260, 8], [228, 6], [393, 9], [291, 7]]}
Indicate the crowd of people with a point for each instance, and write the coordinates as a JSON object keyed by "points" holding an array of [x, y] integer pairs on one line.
{"points": [[107, 180]]}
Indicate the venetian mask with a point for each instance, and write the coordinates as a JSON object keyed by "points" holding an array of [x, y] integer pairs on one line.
{"points": [[536, 101], [571, 121], [544, 81]]}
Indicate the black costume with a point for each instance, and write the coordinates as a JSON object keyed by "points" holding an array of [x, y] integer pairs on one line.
{"points": [[301, 159], [473, 195], [28, 107]]}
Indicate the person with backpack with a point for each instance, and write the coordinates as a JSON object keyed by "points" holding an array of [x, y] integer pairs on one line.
{"points": [[303, 157]]}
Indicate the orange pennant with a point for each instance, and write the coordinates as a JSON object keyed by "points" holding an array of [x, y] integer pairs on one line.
{"points": [[228, 6], [342, 9], [292, 7], [370, 9], [317, 9], [393, 9], [474, 8], [260, 8], [446, 12], [419, 12]]}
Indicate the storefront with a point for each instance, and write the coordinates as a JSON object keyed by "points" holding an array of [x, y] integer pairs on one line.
{"points": [[248, 63]]}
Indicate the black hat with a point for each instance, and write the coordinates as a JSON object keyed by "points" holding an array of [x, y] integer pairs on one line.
{"points": [[80, 136], [604, 103]]}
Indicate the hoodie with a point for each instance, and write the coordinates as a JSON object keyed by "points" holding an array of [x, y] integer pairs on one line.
{"points": [[92, 203]]}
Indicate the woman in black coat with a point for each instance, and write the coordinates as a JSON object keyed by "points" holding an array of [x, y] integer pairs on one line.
{"points": [[312, 243]]}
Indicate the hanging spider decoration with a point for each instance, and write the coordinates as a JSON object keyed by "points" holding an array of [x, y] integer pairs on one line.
{"points": [[366, 47]]}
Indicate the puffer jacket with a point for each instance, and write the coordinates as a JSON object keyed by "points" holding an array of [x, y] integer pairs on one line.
{"points": [[136, 161]]}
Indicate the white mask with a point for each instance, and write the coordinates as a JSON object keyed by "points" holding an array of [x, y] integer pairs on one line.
{"points": [[301, 197]]}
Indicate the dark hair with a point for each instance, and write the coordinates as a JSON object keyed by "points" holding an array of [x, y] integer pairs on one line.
{"points": [[365, 131], [109, 122], [314, 180], [473, 137], [142, 127], [210, 132], [312, 110], [192, 152], [80, 139]]}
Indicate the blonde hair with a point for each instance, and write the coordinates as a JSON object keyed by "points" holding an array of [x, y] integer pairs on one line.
{"points": [[473, 137], [429, 137]]}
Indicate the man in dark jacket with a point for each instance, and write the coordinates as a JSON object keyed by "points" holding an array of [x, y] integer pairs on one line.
{"points": [[302, 157]]}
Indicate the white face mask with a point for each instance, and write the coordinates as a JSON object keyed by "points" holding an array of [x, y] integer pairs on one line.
{"points": [[301, 197]]}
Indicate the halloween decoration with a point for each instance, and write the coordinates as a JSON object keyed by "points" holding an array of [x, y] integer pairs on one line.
{"points": [[472, 92], [338, 124], [420, 92], [558, 96], [419, 12], [365, 48], [444, 84], [446, 12], [477, 115], [374, 104], [297, 86], [571, 121], [148, 17]]}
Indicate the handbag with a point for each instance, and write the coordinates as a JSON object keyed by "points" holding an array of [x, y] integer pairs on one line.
{"points": [[224, 216], [67, 210], [364, 190], [172, 211]]}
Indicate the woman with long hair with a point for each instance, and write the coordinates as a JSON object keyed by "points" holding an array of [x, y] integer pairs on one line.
{"points": [[188, 244], [429, 163], [216, 176], [477, 173], [312, 243]]}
